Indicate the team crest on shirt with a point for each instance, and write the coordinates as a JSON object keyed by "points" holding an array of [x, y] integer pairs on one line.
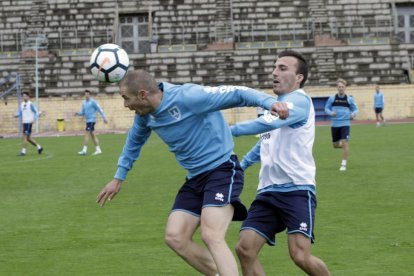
{"points": [[175, 112]]}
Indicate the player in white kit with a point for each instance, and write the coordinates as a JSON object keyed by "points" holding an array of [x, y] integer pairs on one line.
{"points": [[286, 195], [28, 114]]}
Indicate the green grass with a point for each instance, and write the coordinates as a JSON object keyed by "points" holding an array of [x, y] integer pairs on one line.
{"points": [[51, 225]]}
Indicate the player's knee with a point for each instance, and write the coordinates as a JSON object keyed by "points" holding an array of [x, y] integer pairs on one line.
{"points": [[211, 238], [242, 251], [174, 241], [298, 257]]}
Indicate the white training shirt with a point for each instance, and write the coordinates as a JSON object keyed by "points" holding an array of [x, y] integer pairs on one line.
{"points": [[27, 112], [285, 146]]}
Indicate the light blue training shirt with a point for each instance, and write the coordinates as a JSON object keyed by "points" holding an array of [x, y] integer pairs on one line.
{"points": [[189, 121], [89, 109], [344, 107], [379, 100]]}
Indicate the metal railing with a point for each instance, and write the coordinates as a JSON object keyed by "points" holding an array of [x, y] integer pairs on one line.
{"points": [[199, 33], [73, 38], [355, 27], [10, 41]]}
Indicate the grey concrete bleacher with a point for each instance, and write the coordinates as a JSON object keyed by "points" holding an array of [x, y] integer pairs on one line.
{"points": [[369, 40], [269, 44], [76, 52], [177, 48], [205, 41]]}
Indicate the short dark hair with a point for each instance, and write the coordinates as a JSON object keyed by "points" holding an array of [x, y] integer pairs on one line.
{"points": [[88, 91], [302, 64], [26, 93]]}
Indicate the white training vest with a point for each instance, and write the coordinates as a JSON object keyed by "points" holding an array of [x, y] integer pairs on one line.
{"points": [[286, 155], [28, 115]]}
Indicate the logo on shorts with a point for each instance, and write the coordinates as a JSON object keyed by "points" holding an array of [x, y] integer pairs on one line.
{"points": [[219, 197], [303, 226]]}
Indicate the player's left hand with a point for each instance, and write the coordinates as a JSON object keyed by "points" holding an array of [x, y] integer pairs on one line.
{"points": [[109, 192], [280, 109], [105, 121]]}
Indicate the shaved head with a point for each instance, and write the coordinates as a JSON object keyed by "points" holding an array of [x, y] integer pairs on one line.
{"points": [[139, 80]]}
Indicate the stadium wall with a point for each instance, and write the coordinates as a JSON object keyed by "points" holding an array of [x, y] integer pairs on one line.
{"points": [[67, 72], [207, 41], [399, 104]]}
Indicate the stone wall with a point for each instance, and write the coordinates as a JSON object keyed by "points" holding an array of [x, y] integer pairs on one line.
{"points": [[399, 104]]}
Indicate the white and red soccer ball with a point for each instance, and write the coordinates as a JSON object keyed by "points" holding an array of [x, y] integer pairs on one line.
{"points": [[109, 63]]}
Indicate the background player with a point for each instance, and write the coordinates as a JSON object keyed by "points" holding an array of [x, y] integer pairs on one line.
{"points": [[342, 109], [28, 114], [89, 109], [379, 106]]}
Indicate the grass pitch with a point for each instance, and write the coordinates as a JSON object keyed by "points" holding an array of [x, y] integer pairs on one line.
{"points": [[51, 225]]}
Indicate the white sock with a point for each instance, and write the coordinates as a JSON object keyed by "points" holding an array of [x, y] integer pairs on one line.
{"points": [[98, 148], [23, 150], [39, 146], [85, 149], [343, 163]]}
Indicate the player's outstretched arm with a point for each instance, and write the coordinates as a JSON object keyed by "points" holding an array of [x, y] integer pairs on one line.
{"points": [[109, 192], [280, 109]]}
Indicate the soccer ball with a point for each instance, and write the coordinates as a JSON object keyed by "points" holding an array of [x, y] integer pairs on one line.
{"points": [[109, 63]]}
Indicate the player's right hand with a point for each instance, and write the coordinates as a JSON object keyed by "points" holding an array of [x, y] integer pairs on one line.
{"points": [[280, 109], [109, 192]]}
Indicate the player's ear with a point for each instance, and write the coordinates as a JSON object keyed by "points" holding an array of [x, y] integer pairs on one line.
{"points": [[142, 94], [299, 78]]}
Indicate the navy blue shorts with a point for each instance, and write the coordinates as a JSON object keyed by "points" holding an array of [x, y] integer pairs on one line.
{"points": [[218, 187], [90, 126], [378, 110], [273, 212], [340, 133], [27, 129]]}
